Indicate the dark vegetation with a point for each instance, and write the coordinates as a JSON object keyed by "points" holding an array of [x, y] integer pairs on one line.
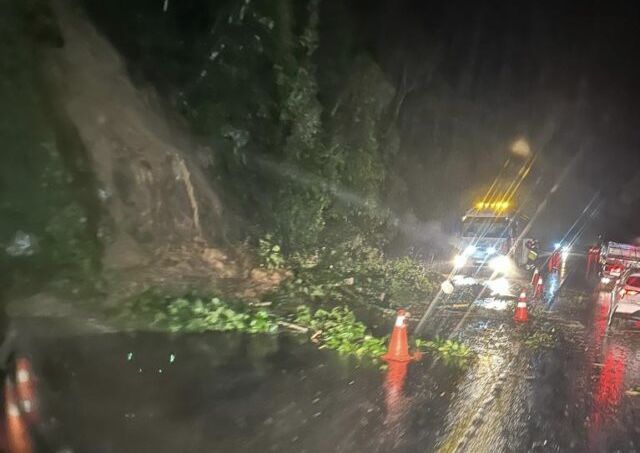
{"points": [[46, 229], [297, 117], [335, 328], [299, 121], [295, 113], [326, 124]]}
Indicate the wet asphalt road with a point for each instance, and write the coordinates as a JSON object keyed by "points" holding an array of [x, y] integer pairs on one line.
{"points": [[225, 392]]}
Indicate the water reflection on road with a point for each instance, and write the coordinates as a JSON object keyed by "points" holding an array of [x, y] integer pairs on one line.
{"points": [[579, 395], [614, 374]]}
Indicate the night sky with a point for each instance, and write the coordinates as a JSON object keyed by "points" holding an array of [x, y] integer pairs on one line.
{"points": [[565, 76]]}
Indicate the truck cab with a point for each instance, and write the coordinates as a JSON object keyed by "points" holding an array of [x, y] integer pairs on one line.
{"points": [[489, 234], [615, 258]]}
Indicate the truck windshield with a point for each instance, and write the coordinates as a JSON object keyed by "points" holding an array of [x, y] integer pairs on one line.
{"points": [[490, 227]]}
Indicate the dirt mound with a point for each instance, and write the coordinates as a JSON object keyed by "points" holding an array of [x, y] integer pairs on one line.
{"points": [[232, 272], [151, 189]]}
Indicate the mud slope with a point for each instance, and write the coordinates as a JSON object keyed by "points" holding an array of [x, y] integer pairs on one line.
{"points": [[154, 193]]}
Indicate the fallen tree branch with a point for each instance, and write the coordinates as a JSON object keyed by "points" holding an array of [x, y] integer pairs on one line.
{"points": [[292, 326], [314, 337]]}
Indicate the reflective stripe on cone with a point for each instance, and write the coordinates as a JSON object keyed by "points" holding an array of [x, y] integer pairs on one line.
{"points": [[26, 390]]}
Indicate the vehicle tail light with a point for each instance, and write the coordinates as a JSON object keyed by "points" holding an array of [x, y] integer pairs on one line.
{"points": [[614, 269]]}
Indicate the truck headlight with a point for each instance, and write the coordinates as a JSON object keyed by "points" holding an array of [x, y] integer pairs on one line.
{"points": [[469, 250], [500, 263], [459, 261], [491, 250]]}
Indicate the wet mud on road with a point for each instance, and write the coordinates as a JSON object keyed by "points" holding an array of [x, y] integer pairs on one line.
{"points": [[571, 389]]}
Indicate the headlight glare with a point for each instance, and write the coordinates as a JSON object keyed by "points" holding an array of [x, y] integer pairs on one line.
{"points": [[469, 250], [500, 263], [459, 260]]}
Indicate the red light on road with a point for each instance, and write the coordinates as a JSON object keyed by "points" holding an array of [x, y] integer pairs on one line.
{"points": [[608, 391]]}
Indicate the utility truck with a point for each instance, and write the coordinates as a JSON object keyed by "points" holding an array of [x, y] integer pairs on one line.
{"points": [[490, 237]]}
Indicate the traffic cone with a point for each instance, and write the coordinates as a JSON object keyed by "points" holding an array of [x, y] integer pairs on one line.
{"points": [[554, 261], [538, 289], [534, 278], [16, 428], [399, 346], [26, 389], [521, 314]]}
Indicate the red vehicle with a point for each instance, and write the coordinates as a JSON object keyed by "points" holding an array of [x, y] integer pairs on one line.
{"points": [[615, 258]]}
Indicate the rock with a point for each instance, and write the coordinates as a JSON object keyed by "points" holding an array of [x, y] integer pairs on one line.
{"points": [[258, 274], [23, 244], [267, 276], [212, 255]]}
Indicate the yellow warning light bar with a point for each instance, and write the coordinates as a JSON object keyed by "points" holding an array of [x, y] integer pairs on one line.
{"points": [[494, 205]]}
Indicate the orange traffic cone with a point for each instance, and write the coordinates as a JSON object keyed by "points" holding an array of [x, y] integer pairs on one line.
{"points": [[554, 261], [26, 389], [399, 346], [16, 427], [534, 278], [538, 288], [521, 314]]}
